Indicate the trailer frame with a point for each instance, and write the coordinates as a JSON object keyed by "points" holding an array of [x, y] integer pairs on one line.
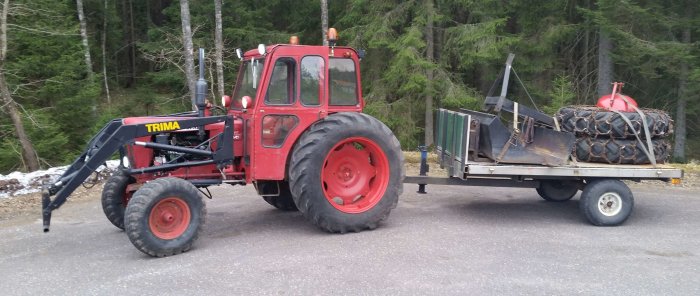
{"points": [[603, 190]]}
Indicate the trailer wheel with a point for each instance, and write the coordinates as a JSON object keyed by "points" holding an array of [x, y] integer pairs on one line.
{"points": [[557, 190], [284, 201], [165, 217], [346, 173], [606, 202], [115, 197]]}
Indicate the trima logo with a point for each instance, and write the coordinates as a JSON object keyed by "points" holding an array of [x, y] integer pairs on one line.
{"points": [[162, 126]]}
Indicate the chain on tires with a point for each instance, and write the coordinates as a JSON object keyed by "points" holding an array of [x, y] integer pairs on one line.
{"points": [[597, 122], [619, 151], [606, 137]]}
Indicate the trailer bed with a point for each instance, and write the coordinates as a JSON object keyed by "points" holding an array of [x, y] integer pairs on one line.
{"points": [[579, 170], [458, 140]]}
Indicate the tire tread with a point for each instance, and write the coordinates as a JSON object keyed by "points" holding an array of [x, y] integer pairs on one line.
{"points": [[306, 151], [139, 207]]}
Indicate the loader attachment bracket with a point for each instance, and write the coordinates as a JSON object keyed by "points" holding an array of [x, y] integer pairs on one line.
{"points": [[531, 137], [496, 104]]}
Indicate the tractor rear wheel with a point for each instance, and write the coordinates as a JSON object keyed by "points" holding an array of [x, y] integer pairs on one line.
{"points": [[346, 173], [115, 197], [284, 201], [164, 217]]}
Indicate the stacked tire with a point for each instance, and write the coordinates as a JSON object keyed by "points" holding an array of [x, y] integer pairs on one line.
{"points": [[605, 136]]}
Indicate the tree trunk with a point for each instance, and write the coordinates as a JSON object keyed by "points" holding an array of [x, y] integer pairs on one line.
{"points": [[584, 91], [31, 160], [429, 52], [125, 55], [104, 51], [84, 36], [188, 49], [219, 49], [132, 41], [681, 132], [324, 21], [605, 64], [3, 31]]}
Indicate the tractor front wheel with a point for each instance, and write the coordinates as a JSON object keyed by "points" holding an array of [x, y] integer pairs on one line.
{"points": [[115, 197], [346, 173], [164, 217]]}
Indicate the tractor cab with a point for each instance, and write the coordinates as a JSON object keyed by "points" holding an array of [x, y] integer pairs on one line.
{"points": [[281, 90]]}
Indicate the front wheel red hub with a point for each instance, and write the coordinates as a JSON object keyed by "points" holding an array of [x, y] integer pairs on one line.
{"points": [[169, 218], [355, 175]]}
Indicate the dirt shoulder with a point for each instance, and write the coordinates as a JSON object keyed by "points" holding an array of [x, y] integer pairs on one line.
{"points": [[30, 204]]}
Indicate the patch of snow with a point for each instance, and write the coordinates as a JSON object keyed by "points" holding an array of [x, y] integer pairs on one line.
{"points": [[31, 182]]}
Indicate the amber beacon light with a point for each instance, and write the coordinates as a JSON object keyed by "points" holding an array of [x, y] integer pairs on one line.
{"points": [[294, 40]]}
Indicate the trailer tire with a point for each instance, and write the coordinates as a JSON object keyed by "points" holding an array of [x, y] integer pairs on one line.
{"points": [[284, 201], [557, 190], [606, 202], [164, 217], [619, 151], [115, 197], [595, 122], [346, 173]]}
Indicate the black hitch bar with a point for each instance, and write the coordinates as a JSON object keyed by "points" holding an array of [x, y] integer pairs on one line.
{"points": [[115, 135]]}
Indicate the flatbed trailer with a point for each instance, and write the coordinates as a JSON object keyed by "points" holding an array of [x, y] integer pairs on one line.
{"points": [[605, 200]]}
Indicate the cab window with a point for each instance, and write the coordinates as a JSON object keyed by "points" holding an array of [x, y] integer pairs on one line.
{"points": [[343, 82], [248, 82], [282, 87], [312, 68]]}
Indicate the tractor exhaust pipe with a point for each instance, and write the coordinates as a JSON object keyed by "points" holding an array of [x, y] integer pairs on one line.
{"points": [[201, 86], [201, 92]]}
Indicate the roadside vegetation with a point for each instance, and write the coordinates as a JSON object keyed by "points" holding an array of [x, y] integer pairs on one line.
{"points": [[69, 66]]}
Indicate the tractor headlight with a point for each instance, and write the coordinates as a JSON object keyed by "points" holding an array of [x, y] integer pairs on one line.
{"points": [[125, 162], [226, 101]]}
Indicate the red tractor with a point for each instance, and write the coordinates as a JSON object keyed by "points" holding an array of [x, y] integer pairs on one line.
{"points": [[294, 129]]}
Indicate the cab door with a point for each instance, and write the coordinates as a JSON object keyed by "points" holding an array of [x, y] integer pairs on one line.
{"points": [[294, 98]]}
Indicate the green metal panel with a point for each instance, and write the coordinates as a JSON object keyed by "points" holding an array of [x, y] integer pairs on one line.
{"points": [[459, 135], [450, 132], [450, 135], [440, 128]]}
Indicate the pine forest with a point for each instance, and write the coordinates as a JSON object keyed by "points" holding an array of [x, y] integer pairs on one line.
{"points": [[69, 66]]}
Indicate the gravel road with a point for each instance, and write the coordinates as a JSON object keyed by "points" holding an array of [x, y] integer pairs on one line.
{"points": [[455, 240]]}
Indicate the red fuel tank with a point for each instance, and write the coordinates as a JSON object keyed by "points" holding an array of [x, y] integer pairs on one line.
{"points": [[619, 103]]}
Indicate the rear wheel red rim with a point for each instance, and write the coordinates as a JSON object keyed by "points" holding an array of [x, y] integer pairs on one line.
{"points": [[169, 218], [355, 175]]}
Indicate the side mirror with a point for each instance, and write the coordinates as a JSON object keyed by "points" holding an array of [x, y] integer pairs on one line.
{"points": [[239, 53]]}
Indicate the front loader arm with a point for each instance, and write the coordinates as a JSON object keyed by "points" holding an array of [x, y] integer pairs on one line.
{"points": [[103, 145]]}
